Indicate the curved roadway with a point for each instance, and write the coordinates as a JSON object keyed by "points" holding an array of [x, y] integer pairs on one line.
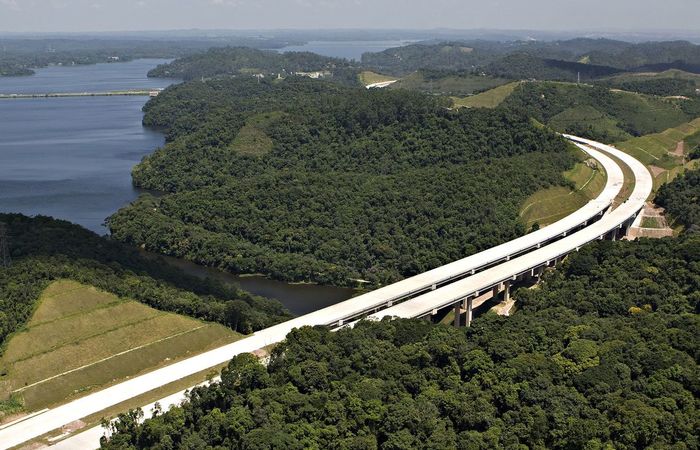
{"points": [[337, 314], [459, 290]]}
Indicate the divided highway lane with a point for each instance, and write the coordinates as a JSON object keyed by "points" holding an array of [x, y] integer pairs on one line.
{"points": [[333, 315], [449, 295]]}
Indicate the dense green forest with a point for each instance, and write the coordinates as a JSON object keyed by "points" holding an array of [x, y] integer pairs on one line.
{"points": [[681, 198], [44, 249], [556, 60], [598, 113], [307, 180], [249, 61], [602, 355], [524, 66]]}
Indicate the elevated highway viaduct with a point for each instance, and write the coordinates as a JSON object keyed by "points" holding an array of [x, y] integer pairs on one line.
{"points": [[462, 293], [434, 288]]}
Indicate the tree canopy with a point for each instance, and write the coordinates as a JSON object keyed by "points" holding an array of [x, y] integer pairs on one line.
{"points": [[305, 180], [602, 355]]}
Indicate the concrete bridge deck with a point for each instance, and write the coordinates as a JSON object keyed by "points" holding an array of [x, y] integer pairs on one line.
{"points": [[506, 256]]}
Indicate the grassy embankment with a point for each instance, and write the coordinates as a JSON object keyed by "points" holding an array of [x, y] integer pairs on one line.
{"points": [[489, 99], [368, 77], [549, 205], [661, 152], [80, 338]]}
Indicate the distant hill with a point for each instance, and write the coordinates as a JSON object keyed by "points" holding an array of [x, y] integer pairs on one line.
{"points": [[537, 59], [250, 62], [599, 113]]}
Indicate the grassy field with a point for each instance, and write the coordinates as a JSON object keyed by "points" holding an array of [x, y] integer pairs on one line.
{"points": [[369, 77], [489, 99], [657, 150], [80, 338], [455, 85], [252, 139], [549, 205], [651, 222]]}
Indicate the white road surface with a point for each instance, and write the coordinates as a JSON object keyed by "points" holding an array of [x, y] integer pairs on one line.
{"points": [[507, 271], [93, 403]]}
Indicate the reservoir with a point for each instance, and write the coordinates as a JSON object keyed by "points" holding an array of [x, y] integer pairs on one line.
{"points": [[71, 158]]}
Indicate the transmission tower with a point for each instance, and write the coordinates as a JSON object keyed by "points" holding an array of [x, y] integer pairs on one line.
{"points": [[5, 260]]}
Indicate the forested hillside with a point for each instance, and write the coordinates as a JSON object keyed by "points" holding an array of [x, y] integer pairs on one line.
{"points": [[681, 198], [249, 61], [44, 250], [553, 60], [306, 180], [597, 112], [602, 355]]}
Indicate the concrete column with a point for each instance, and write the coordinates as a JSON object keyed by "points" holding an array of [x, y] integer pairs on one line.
{"points": [[469, 312], [506, 291], [458, 313], [495, 291]]}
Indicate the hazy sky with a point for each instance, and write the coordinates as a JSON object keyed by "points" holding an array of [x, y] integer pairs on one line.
{"points": [[123, 15]]}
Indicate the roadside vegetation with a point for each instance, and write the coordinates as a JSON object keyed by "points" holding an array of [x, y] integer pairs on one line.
{"points": [[587, 179], [80, 338], [602, 354], [681, 198]]}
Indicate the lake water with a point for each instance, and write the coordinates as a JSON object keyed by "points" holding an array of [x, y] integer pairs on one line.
{"points": [[344, 49], [71, 158]]}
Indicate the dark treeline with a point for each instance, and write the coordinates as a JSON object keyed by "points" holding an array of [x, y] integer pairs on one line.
{"points": [[339, 183], [659, 86], [681, 198], [523, 66], [44, 249], [602, 355]]}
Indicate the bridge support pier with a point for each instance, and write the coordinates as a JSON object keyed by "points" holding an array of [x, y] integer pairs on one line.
{"points": [[469, 311], [506, 291], [458, 313]]}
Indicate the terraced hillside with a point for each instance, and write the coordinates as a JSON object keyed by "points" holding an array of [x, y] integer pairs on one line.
{"points": [[668, 153], [80, 338]]}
